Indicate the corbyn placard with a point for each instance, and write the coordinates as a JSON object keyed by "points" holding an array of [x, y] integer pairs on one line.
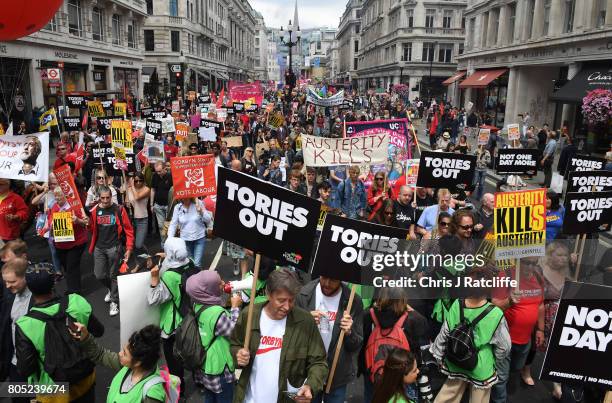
{"points": [[193, 176]]}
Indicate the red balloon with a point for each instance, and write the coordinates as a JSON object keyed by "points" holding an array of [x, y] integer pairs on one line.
{"points": [[24, 17]]}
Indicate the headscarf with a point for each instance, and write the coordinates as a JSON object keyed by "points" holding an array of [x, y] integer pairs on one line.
{"points": [[203, 287], [176, 254]]}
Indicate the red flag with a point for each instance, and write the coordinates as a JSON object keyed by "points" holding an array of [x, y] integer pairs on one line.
{"points": [[434, 124], [213, 97], [84, 121], [142, 157], [221, 96], [79, 155]]}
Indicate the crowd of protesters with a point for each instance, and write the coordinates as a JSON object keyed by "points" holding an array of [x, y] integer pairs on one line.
{"points": [[297, 321]]}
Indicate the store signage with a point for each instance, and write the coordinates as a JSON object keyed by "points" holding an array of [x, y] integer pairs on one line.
{"points": [[53, 74]]}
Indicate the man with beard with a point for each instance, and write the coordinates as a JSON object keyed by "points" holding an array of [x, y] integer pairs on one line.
{"points": [[29, 155], [404, 213]]}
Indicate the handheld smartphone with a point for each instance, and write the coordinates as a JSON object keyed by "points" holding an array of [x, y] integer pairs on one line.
{"points": [[290, 395], [71, 325]]}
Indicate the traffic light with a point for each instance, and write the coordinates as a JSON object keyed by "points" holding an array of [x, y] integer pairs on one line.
{"points": [[290, 79], [179, 80]]}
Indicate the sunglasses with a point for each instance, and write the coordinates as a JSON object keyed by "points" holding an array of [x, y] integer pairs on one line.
{"points": [[388, 212], [444, 224], [466, 227], [380, 179], [138, 181], [100, 177]]}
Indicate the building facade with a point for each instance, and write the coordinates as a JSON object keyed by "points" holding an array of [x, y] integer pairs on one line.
{"points": [[98, 44], [320, 43], [521, 55], [272, 59], [348, 38], [197, 45], [260, 61], [414, 42]]}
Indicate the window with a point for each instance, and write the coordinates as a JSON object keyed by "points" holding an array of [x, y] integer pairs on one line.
{"points": [[529, 21], [447, 20], [546, 22], [97, 24], [149, 40], [601, 13], [570, 9], [511, 22], [175, 41], [445, 53], [428, 51], [52, 25], [406, 52], [116, 29], [484, 28], [410, 17], [188, 13], [190, 43], [461, 48], [471, 33], [318, 45], [495, 17], [173, 8], [357, 28], [75, 23], [356, 46], [191, 17], [429, 20], [132, 34], [150, 7]]}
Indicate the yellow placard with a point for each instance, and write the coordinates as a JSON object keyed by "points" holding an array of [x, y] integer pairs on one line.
{"points": [[119, 151], [520, 223], [95, 109], [121, 133], [63, 231], [120, 108]]}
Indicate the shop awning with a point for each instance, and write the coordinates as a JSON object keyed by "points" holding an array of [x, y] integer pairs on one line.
{"points": [[455, 77], [481, 78], [221, 75], [148, 71], [586, 80]]}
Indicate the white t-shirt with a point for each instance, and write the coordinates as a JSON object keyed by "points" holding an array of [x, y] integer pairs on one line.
{"points": [[331, 305], [263, 383]]}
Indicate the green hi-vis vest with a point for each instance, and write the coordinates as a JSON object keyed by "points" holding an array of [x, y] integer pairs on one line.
{"points": [[134, 395], [484, 373], [366, 293], [218, 355], [34, 329], [260, 290], [170, 317]]}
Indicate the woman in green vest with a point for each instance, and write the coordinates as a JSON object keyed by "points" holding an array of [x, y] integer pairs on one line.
{"points": [[491, 339], [400, 370], [138, 379], [216, 324]]}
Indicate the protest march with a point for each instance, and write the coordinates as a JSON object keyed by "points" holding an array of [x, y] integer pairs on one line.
{"points": [[306, 243]]}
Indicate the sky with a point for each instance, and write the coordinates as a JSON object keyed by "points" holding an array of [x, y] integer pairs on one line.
{"points": [[311, 13]]}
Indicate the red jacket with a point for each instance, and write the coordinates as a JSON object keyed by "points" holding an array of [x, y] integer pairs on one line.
{"points": [[123, 225], [376, 205], [80, 232], [12, 204]]}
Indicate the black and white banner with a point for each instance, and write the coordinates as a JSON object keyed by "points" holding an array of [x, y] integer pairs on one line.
{"points": [[580, 345], [587, 212], [589, 181], [158, 115], [204, 99], [238, 107], [252, 108], [108, 106], [107, 154], [211, 123], [517, 161], [72, 123], [335, 100], [445, 170], [154, 127], [265, 218], [585, 163], [104, 124], [146, 112], [76, 101], [347, 247]]}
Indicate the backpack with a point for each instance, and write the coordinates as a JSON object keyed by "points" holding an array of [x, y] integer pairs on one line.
{"points": [[172, 385], [461, 349], [64, 358], [185, 305], [188, 347], [380, 345]]}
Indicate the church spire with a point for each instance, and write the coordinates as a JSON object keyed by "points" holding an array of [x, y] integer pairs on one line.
{"points": [[296, 22]]}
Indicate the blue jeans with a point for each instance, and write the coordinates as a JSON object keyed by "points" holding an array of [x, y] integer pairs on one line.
{"points": [[513, 362], [160, 215], [57, 265], [336, 395], [195, 249], [226, 395], [479, 181], [140, 227]]}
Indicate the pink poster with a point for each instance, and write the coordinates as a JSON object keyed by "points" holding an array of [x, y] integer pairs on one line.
{"points": [[240, 92]]}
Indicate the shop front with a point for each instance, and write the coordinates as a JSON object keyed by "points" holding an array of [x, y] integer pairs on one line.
{"points": [[15, 102], [489, 89]]}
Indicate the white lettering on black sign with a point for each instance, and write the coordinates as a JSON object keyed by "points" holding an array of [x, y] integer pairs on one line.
{"points": [[447, 168], [360, 246], [590, 209], [586, 328]]}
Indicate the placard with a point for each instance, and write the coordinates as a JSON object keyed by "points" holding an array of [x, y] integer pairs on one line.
{"points": [[589, 181], [95, 109], [587, 212], [105, 151], [276, 120], [193, 176], [105, 124], [75, 101], [207, 134], [233, 141], [182, 131], [520, 223], [238, 107], [154, 150], [73, 123], [154, 127], [445, 170], [136, 312], [168, 125], [62, 226], [65, 181], [579, 348], [25, 157], [326, 151], [120, 108], [121, 134], [159, 115], [343, 252], [517, 161], [146, 112], [579, 163], [211, 124], [483, 136], [514, 132], [265, 218]]}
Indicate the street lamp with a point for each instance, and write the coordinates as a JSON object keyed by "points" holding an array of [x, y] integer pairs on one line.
{"points": [[433, 54], [290, 76]]}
